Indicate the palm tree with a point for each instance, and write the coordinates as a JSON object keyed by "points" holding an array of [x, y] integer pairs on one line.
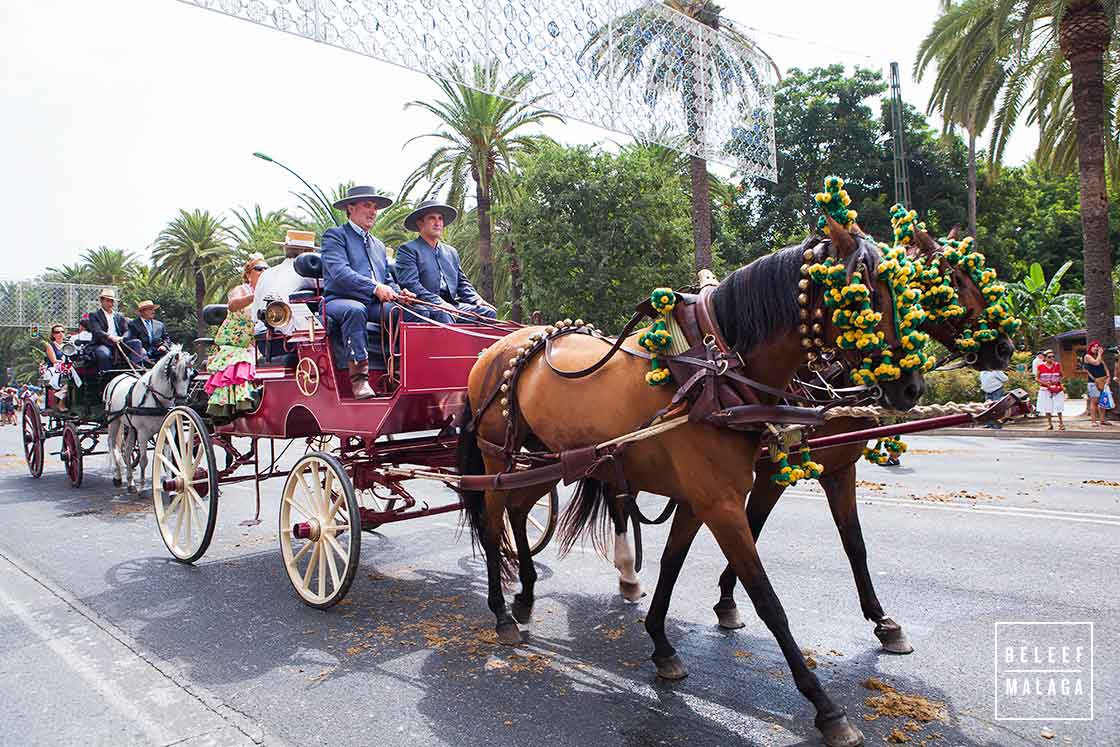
{"points": [[258, 231], [646, 42], [1057, 50], [193, 245], [75, 273], [970, 77], [479, 144], [109, 266]]}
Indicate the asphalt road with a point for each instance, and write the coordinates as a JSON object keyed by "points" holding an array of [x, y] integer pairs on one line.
{"points": [[105, 640]]}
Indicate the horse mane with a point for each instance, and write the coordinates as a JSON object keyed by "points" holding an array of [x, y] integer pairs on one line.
{"points": [[757, 302], [162, 364]]}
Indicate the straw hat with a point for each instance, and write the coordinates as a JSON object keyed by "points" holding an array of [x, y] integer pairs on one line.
{"points": [[108, 293], [300, 239], [147, 304]]}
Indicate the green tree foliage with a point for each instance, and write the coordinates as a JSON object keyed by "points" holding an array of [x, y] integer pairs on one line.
{"points": [[191, 250], [597, 232], [176, 304], [1042, 306]]}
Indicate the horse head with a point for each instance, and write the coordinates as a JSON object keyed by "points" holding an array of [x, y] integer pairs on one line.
{"points": [[966, 308], [171, 376]]}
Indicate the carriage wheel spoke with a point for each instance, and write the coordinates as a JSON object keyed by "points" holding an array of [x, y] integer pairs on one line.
{"points": [[299, 508], [311, 565], [333, 569], [302, 551], [190, 522], [307, 492], [333, 543], [178, 522], [322, 571], [167, 463], [535, 523], [196, 498], [172, 445], [174, 504]]}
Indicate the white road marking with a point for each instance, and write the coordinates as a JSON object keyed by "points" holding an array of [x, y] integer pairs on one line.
{"points": [[1013, 511]]}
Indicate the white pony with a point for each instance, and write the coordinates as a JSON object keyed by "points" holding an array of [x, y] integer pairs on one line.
{"points": [[154, 392]]}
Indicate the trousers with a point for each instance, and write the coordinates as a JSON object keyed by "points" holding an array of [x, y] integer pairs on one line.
{"points": [[448, 317], [351, 317]]}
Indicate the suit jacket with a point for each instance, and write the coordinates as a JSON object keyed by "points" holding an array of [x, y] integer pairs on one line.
{"points": [[137, 330], [100, 332], [419, 268], [349, 271]]}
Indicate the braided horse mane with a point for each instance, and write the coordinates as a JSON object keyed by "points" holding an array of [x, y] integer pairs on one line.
{"points": [[759, 300]]}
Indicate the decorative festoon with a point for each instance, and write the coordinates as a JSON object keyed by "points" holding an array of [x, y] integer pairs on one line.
{"points": [[657, 339]]}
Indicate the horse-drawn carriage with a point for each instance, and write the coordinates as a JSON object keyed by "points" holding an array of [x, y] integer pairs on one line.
{"points": [[360, 453]]}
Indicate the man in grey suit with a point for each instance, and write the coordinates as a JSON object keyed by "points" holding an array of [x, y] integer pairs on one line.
{"points": [[357, 287], [432, 270]]}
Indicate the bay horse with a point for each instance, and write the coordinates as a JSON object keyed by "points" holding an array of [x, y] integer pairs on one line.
{"points": [[707, 470], [838, 478]]}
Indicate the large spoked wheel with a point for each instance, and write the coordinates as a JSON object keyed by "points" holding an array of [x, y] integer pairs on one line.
{"points": [[32, 438], [72, 454], [185, 485], [541, 524], [320, 530]]}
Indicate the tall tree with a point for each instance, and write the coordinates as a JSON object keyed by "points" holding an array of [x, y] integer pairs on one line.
{"points": [[191, 247], [970, 76], [482, 136], [1057, 46], [647, 43], [258, 230]]}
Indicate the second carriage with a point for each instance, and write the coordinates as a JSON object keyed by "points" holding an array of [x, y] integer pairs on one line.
{"points": [[358, 454]]}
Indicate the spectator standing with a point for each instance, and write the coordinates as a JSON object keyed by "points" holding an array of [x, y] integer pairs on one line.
{"points": [[1051, 393], [991, 382], [1099, 376]]}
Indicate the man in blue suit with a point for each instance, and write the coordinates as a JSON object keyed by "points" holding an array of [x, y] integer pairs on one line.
{"points": [[431, 269], [357, 286]]}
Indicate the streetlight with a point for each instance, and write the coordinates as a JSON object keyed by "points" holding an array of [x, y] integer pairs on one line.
{"points": [[318, 193]]}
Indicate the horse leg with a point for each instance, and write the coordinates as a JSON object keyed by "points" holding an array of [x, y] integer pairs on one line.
{"points": [[518, 508], [490, 528], [142, 462], [125, 456], [763, 497], [840, 487], [113, 442], [629, 585], [729, 526], [681, 533]]}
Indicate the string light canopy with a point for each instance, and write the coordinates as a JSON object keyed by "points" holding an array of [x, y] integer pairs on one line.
{"points": [[635, 67]]}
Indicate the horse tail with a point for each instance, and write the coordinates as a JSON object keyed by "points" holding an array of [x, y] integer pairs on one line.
{"points": [[469, 458], [587, 514]]}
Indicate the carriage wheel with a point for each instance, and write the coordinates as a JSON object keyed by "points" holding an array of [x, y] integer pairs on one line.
{"points": [[33, 438], [185, 485], [541, 524], [72, 454], [320, 521]]}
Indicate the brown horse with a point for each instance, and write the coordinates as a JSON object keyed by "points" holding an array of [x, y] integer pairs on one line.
{"points": [[707, 470], [839, 462]]}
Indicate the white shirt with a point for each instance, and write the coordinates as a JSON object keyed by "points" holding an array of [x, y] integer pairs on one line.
{"points": [[108, 316], [276, 284], [992, 381]]}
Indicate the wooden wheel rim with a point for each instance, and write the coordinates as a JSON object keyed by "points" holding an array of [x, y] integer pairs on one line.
{"points": [[32, 439], [186, 515], [72, 455], [318, 493], [541, 523]]}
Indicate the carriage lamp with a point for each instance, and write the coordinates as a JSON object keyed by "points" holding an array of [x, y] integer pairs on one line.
{"points": [[277, 314]]}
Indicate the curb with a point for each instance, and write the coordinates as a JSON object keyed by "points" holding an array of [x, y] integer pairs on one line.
{"points": [[1099, 434]]}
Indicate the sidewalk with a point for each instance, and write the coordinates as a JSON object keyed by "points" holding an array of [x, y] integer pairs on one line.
{"points": [[1076, 419]]}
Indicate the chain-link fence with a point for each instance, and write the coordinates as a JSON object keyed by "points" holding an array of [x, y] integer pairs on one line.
{"points": [[630, 66], [38, 304]]}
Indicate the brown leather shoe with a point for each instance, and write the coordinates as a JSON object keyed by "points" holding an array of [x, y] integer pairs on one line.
{"points": [[359, 380]]}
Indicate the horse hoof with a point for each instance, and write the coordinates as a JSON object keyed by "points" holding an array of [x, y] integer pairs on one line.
{"points": [[522, 613], [509, 634], [670, 667], [631, 591], [839, 732], [729, 617], [891, 636], [117, 482]]}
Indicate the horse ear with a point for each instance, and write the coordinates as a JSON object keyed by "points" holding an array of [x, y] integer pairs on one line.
{"points": [[926, 243], [840, 237], [955, 231]]}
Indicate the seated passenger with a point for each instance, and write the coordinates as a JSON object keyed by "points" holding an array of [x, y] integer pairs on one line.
{"points": [[233, 368], [432, 270], [149, 331], [109, 328], [279, 282], [55, 370], [357, 287]]}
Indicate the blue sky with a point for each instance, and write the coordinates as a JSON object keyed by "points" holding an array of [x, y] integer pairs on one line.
{"points": [[117, 113]]}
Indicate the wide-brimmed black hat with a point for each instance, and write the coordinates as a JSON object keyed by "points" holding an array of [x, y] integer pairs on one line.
{"points": [[430, 206], [356, 194]]}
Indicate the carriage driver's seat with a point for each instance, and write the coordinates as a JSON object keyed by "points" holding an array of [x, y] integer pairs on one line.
{"points": [[310, 265]]}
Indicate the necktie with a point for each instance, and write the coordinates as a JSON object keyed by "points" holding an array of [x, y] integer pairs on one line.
{"points": [[148, 324]]}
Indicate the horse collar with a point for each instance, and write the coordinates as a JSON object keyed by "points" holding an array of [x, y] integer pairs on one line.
{"points": [[706, 318]]}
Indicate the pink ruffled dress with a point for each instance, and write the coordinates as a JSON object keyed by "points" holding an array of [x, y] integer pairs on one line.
{"points": [[234, 367]]}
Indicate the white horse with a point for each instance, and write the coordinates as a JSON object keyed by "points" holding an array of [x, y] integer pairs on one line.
{"points": [[156, 390]]}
